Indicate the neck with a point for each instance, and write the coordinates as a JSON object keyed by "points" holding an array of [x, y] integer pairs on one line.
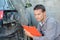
{"points": [[43, 19]]}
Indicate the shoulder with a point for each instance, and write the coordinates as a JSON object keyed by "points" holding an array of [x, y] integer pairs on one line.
{"points": [[51, 20], [51, 23]]}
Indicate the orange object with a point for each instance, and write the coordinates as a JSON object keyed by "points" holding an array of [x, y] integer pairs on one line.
{"points": [[32, 30], [1, 14]]}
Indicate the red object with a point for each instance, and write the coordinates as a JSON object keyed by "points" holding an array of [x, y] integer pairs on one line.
{"points": [[1, 14], [32, 30]]}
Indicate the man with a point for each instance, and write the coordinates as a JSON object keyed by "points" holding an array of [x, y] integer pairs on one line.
{"points": [[47, 26]]}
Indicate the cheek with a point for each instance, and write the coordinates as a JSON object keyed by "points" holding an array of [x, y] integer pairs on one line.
{"points": [[37, 17], [40, 16]]}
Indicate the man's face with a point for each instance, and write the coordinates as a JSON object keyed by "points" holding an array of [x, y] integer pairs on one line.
{"points": [[39, 15]]}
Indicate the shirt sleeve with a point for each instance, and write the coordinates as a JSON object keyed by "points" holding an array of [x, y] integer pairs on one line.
{"points": [[49, 33]]}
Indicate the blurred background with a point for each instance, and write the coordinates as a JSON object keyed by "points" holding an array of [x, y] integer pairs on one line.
{"points": [[25, 13], [52, 8]]}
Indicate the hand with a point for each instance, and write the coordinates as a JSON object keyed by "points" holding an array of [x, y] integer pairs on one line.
{"points": [[28, 34]]}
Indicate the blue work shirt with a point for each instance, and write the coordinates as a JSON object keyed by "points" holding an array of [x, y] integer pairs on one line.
{"points": [[49, 29]]}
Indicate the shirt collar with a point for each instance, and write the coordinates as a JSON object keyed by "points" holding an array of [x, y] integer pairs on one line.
{"points": [[43, 22]]}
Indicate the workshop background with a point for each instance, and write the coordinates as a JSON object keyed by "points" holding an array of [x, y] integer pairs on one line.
{"points": [[52, 7], [25, 9]]}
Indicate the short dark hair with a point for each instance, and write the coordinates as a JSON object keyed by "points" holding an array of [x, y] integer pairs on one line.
{"points": [[39, 6]]}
